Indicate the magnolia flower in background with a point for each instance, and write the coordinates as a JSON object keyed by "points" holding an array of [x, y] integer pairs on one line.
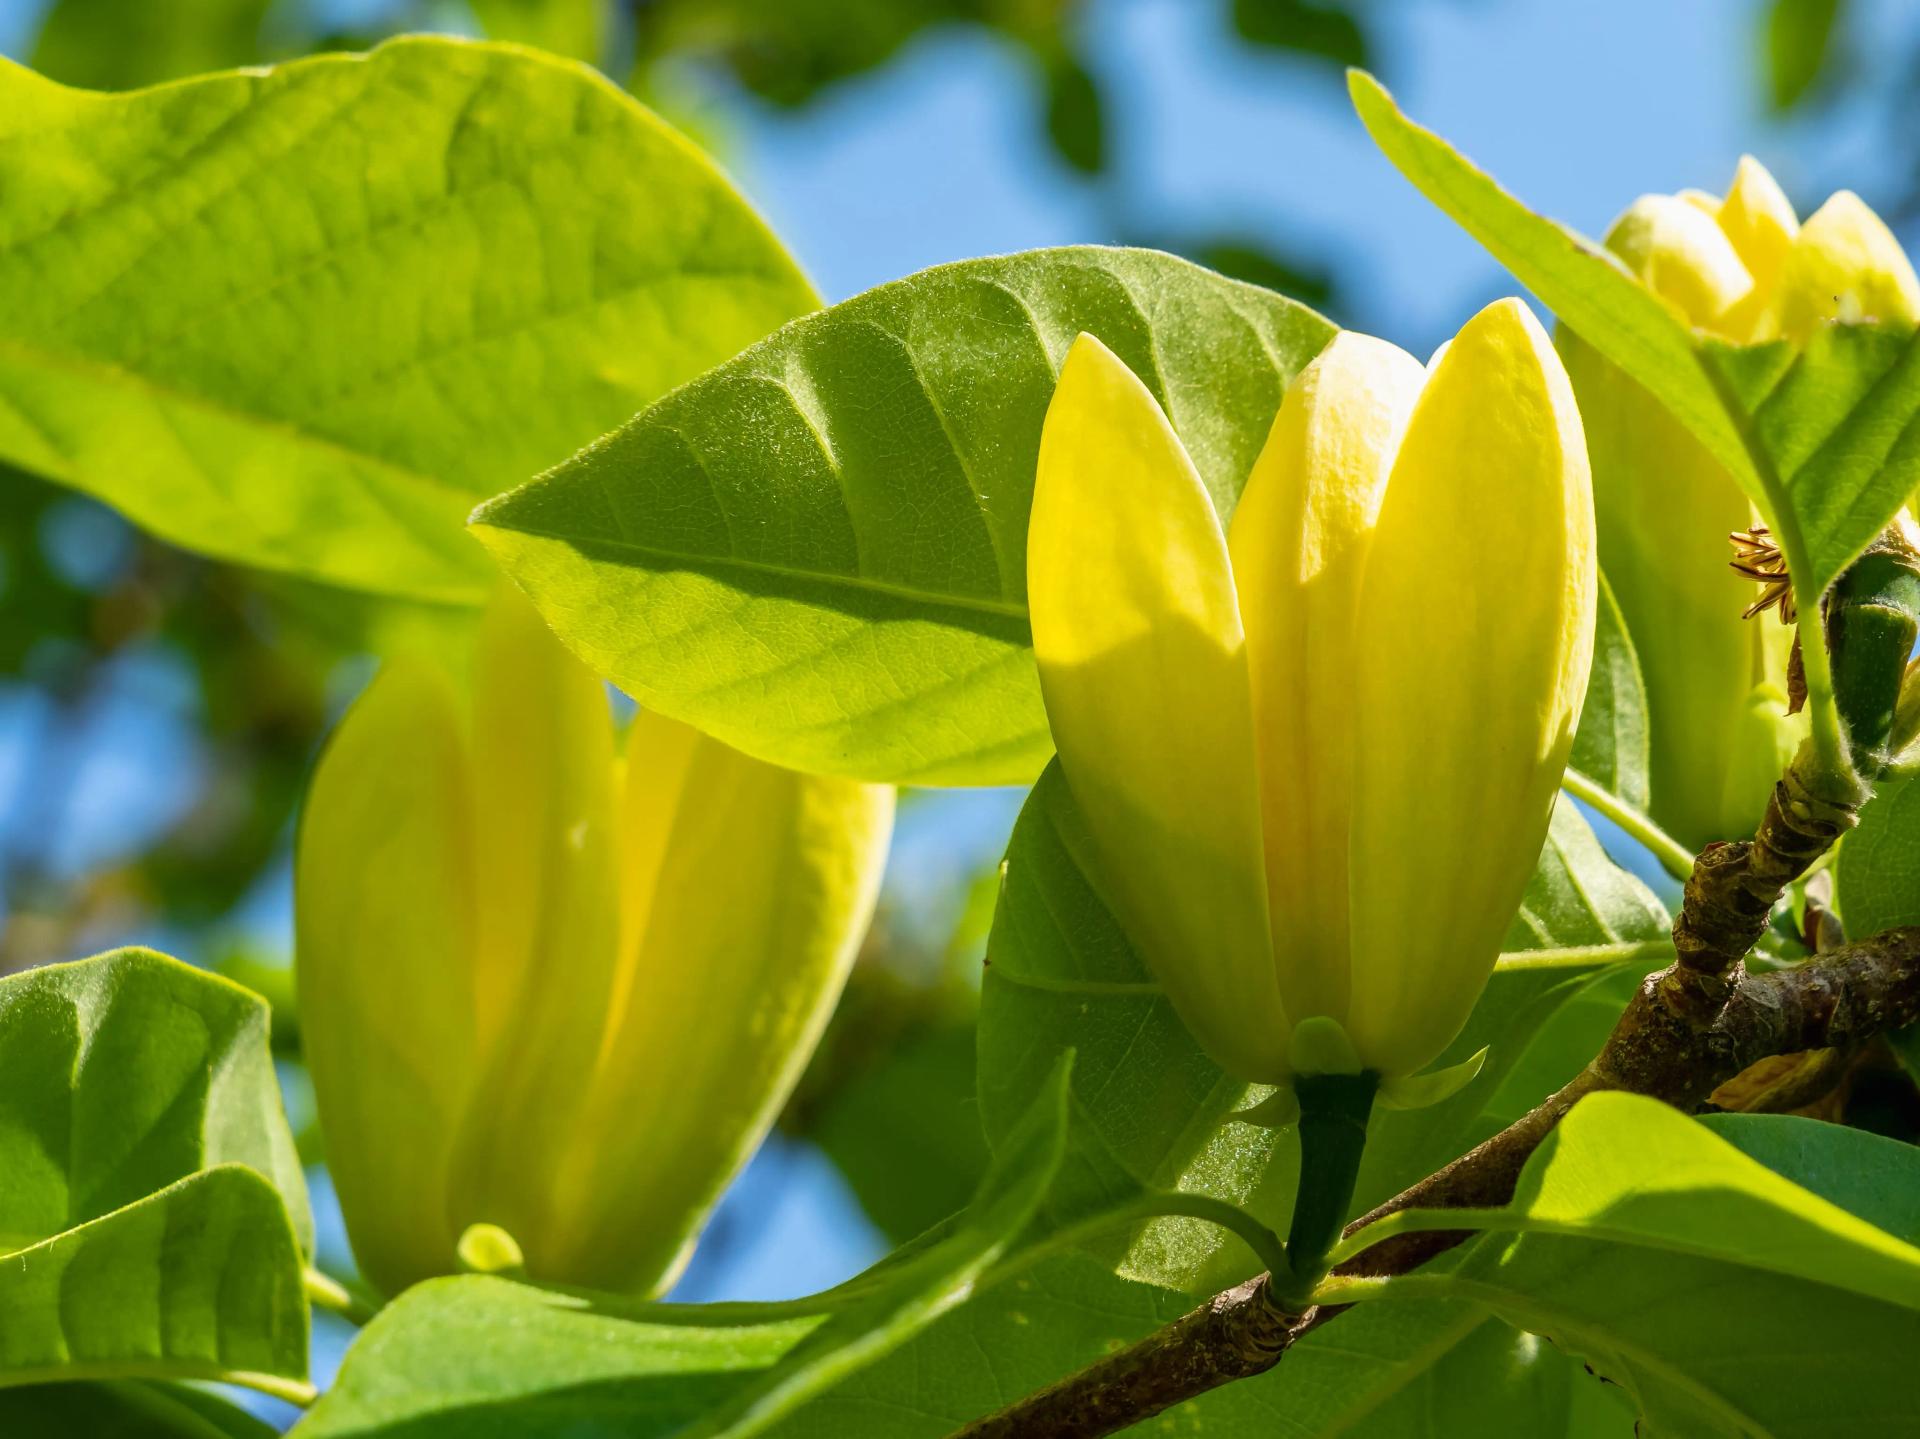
{"points": [[1317, 756], [550, 988], [1744, 270]]}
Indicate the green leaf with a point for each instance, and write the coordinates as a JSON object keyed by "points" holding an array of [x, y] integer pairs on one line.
{"points": [[1874, 875], [304, 317], [905, 1133], [1799, 42], [1684, 1270], [124, 1073], [817, 552], [473, 1357], [1151, 1110], [1629, 1169], [126, 1409], [574, 28], [1708, 1348], [1435, 1368], [1839, 423], [109, 45], [1612, 746], [1868, 1175], [199, 1281]]}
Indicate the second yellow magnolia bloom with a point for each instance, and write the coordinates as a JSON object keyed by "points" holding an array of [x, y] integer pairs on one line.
{"points": [[1317, 756], [553, 988], [1742, 269]]}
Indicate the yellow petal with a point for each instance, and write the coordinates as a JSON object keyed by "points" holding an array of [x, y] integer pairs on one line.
{"points": [[1682, 255], [1299, 543], [1664, 507], [545, 957], [384, 913], [544, 810], [766, 883], [1473, 639], [1845, 266], [1758, 218], [1136, 629]]}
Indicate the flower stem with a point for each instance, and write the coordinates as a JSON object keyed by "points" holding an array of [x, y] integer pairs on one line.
{"points": [[1334, 1109], [1674, 857], [326, 1292]]}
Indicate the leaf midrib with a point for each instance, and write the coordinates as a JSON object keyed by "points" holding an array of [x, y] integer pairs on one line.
{"points": [[1005, 609]]}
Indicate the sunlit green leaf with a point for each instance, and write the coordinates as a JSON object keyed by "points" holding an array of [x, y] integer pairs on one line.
{"points": [[123, 1074], [1683, 1270], [818, 551], [305, 317], [473, 1357], [199, 1281], [141, 1143]]}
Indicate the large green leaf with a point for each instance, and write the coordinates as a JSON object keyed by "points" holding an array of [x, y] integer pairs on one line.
{"points": [[110, 45], [1612, 745], [1875, 876], [153, 1213], [199, 1281], [1684, 1270], [125, 1409], [1835, 448], [1152, 1110], [123, 1074], [1840, 425], [817, 552], [1439, 1368], [304, 317], [475, 1357]]}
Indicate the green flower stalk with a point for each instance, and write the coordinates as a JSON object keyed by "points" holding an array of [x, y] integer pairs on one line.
{"points": [[1317, 755], [1742, 269], [553, 988]]}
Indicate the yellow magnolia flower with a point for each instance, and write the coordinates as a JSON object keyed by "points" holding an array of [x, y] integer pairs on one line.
{"points": [[1744, 270], [554, 989], [1317, 756]]}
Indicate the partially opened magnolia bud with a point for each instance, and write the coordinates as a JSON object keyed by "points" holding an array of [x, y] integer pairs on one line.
{"points": [[552, 996], [1317, 760], [1742, 270]]}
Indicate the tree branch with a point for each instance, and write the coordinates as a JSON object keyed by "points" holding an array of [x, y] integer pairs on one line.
{"points": [[1668, 1044]]}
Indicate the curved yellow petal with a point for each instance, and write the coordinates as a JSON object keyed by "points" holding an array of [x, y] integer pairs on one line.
{"points": [[544, 810], [1299, 543], [766, 884], [1136, 629], [544, 958], [1664, 507], [1473, 639], [1758, 218], [1845, 266], [1681, 254], [384, 912]]}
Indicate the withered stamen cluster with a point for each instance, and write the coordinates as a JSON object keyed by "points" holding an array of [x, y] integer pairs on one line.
{"points": [[1758, 558]]}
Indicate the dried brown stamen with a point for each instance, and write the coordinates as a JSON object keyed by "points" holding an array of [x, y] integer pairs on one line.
{"points": [[1756, 557]]}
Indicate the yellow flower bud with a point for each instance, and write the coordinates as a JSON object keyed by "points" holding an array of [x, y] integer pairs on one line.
{"points": [[1741, 270], [553, 996], [1317, 762]]}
